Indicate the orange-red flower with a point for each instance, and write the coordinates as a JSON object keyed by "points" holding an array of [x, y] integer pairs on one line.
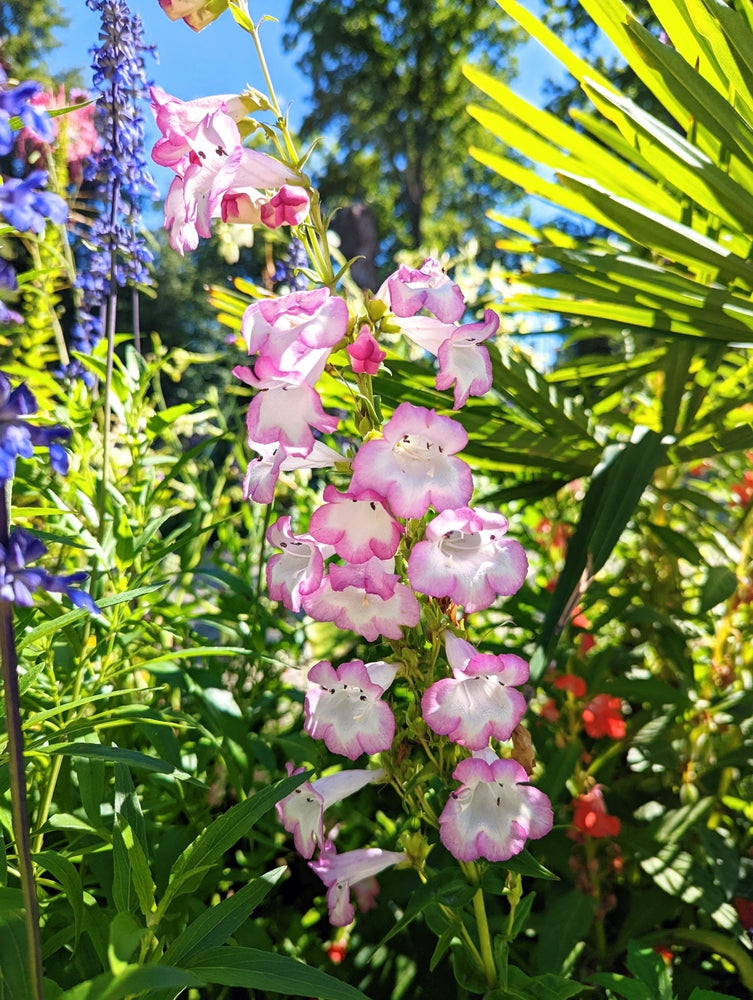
{"points": [[590, 815], [603, 717], [571, 682]]}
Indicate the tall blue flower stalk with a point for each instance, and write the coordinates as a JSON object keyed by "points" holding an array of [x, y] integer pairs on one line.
{"points": [[115, 255]]}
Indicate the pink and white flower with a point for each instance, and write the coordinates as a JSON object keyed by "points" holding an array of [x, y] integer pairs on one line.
{"points": [[463, 361], [407, 291], [216, 176], [296, 332], [196, 13], [413, 466], [465, 556], [341, 872], [494, 812], [264, 471], [289, 207], [479, 701], [301, 813], [367, 598], [178, 121], [345, 708], [358, 526], [283, 412], [297, 570]]}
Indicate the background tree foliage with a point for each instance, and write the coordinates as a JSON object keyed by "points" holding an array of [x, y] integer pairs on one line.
{"points": [[27, 33], [389, 96]]}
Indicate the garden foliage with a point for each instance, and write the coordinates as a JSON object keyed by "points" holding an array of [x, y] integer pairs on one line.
{"points": [[504, 611]]}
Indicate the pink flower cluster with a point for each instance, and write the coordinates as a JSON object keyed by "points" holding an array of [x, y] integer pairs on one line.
{"points": [[408, 483], [216, 176]]}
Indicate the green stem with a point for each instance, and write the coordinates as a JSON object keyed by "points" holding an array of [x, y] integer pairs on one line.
{"points": [[17, 769], [485, 940]]}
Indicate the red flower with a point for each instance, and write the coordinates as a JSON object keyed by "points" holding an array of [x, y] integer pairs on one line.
{"points": [[603, 717], [744, 909], [590, 815], [549, 711], [571, 682], [744, 490], [336, 951]]}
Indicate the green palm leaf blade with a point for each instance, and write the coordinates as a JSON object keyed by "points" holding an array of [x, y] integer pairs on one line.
{"points": [[740, 44], [613, 494], [670, 157]]}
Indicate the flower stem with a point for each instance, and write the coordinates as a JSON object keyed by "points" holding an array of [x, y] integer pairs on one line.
{"points": [[484, 937], [17, 769]]}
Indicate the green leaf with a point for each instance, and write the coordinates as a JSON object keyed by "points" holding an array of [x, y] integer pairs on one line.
{"points": [[252, 969], [719, 585], [61, 868], [132, 981], [121, 755], [216, 924], [610, 502], [223, 833], [565, 921], [14, 968], [545, 987]]}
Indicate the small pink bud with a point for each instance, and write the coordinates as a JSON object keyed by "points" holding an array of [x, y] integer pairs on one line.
{"points": [[289, 207], [365, 353]]}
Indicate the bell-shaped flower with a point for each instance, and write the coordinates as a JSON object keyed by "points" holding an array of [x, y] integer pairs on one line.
{"points": [[465, 556], [178, 121], [365, 353], [217, 171], [494, 812], [413, 466], [602, 716], [407, 291], [341, 872], [590, 815], [345, 708], [296, 332], [358, 526], [297, 570], [478, 701], [263, 472], [196, 13], [283, 411], [289, 207], [463, 361], [366, 598], [301, 813]]}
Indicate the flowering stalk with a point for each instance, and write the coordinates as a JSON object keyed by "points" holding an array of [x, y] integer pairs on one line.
{"points": [[17, 768]]}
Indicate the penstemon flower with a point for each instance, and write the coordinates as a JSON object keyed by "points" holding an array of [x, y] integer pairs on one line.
{"points": [[302, 812], [345, 709], [465, 556], [494, 812], [413, 466], [342, 872]]}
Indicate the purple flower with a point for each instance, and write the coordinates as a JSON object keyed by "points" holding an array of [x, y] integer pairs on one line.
{"points": [[358, 526], [478, 701], [18, 581], [407, 291], [413, 466], [301, 812], [27, 207], [345, 710], [19, 437], [494, 812], [18, 103], [465, 556], [340, 872]]}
